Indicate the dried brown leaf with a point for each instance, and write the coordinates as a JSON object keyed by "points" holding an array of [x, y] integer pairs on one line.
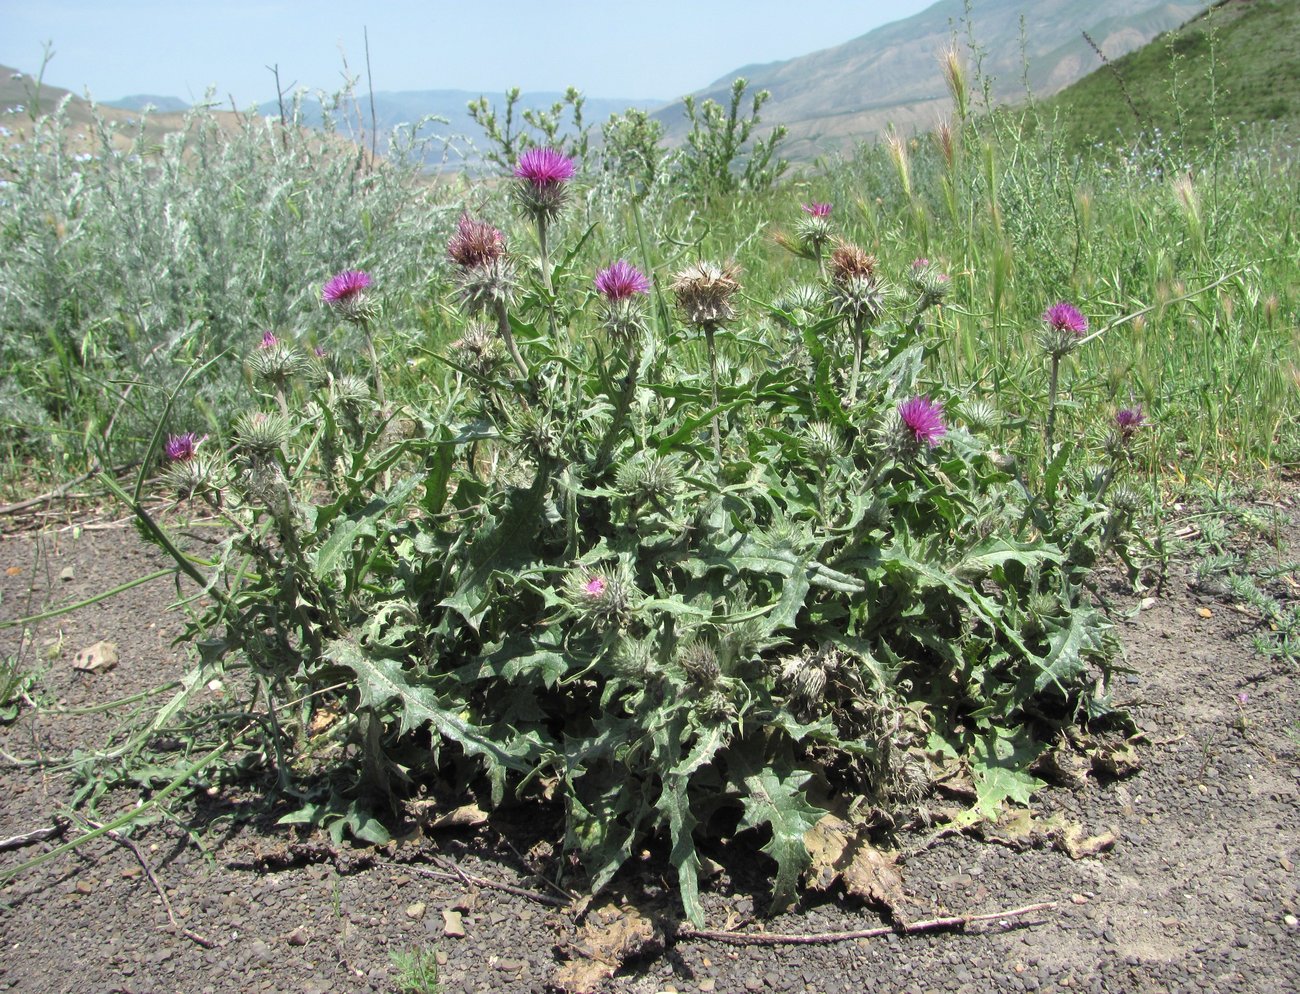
{"points": [[613, 934]]}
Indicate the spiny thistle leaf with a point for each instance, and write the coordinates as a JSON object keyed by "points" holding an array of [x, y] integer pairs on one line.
{"points": [[381, 681], [779, 803]]}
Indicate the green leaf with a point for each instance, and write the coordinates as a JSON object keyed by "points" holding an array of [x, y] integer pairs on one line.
{"points": [[778, 802], [675, 803], [498, 548], [999, 765], [1067, 646], [381, 681]]}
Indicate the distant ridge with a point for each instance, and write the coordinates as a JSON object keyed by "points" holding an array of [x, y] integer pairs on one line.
{"points": [[832, 98], [146, 101]]}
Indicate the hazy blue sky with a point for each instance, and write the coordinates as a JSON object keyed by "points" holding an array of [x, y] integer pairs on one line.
{"points": [[662, 48]]}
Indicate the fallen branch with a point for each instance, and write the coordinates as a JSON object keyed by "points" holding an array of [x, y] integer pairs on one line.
{"points": [[811, 938], [177, 927], [58, 492], [470, 879], [39, 835]]}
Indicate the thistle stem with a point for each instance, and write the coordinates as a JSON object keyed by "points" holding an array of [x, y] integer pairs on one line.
{"points": [[508, 336], [857, 360], [713, 381], [1049, 431], [374, 363], [621, 407], [544, 261]]}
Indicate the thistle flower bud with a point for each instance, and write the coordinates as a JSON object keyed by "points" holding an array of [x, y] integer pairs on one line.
{"points": [[348, 294], [700, 662], [261, 434], [798, 304], [194, 476], [542, 189], [535, 432], [352, 393], [929, 283], [980, 415], [601, 593], [634, 658], [814, 229], [1064, 328], [1126, 500], [489, 285], [276, 362], [704, 293], [649, 478], [824, 442], [479, 350]]}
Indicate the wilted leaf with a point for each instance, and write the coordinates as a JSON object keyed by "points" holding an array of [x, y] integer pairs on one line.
{"points": [[839, 852], [612, 935], [98, 658]]}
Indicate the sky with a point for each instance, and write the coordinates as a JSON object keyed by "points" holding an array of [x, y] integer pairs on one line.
{"points": [[657, 50]]}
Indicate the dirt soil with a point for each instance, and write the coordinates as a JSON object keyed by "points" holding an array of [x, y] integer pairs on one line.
{"points": [[1199, 893]]}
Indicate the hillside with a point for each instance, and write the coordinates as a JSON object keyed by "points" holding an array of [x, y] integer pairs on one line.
{"points": [[830, 98], [1235, 62]]}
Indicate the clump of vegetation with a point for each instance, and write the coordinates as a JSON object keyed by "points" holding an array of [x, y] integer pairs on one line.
{"points": [[679, 567]]}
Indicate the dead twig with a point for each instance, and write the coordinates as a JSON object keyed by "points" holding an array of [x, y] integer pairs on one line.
{"points": [[39, 835], [454, 872], [177, 927], [814, 938]]}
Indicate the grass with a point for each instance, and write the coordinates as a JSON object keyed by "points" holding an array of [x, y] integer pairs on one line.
{"points": [[417, 971], [1231, 65]]}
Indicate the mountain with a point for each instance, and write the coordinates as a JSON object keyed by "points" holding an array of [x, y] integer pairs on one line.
{"points": [[1246, 48], [147, 101], [833, 98]]}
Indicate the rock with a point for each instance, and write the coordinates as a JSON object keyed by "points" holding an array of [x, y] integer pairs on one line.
{"points": [[298, 937], [453, 924], [415, 911]]}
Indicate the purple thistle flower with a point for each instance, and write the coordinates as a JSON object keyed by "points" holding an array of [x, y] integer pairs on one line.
{"points": [[1129, 419], [269, 341], [544, 167], [816, 210], [346, 287], [320, 352], [1063, 316], [923, 417], [621, 281], [595, 587], [180, 448], [920, 263], [476, 243]]}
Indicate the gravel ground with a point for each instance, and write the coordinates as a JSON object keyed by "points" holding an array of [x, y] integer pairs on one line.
{"points": [[1199, 892]]}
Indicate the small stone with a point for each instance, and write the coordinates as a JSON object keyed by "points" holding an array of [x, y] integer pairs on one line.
{"points": [[415, 911], [298, 937], [752, 983], [510, 965], [1291, 921], [131, 872], [712, 985], [67, 574], [1078, 899], [84, 887], [1286, 864], [1205, 612], [453, 924], [441, 957], [1147, 603]]}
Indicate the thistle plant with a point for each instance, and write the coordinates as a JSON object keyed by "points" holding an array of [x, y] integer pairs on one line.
{"points": [[485, 279], [541, 192], [570, 588], [705, 291], [1064, 328], [859, 296], [348, 294], [815, 231]]}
